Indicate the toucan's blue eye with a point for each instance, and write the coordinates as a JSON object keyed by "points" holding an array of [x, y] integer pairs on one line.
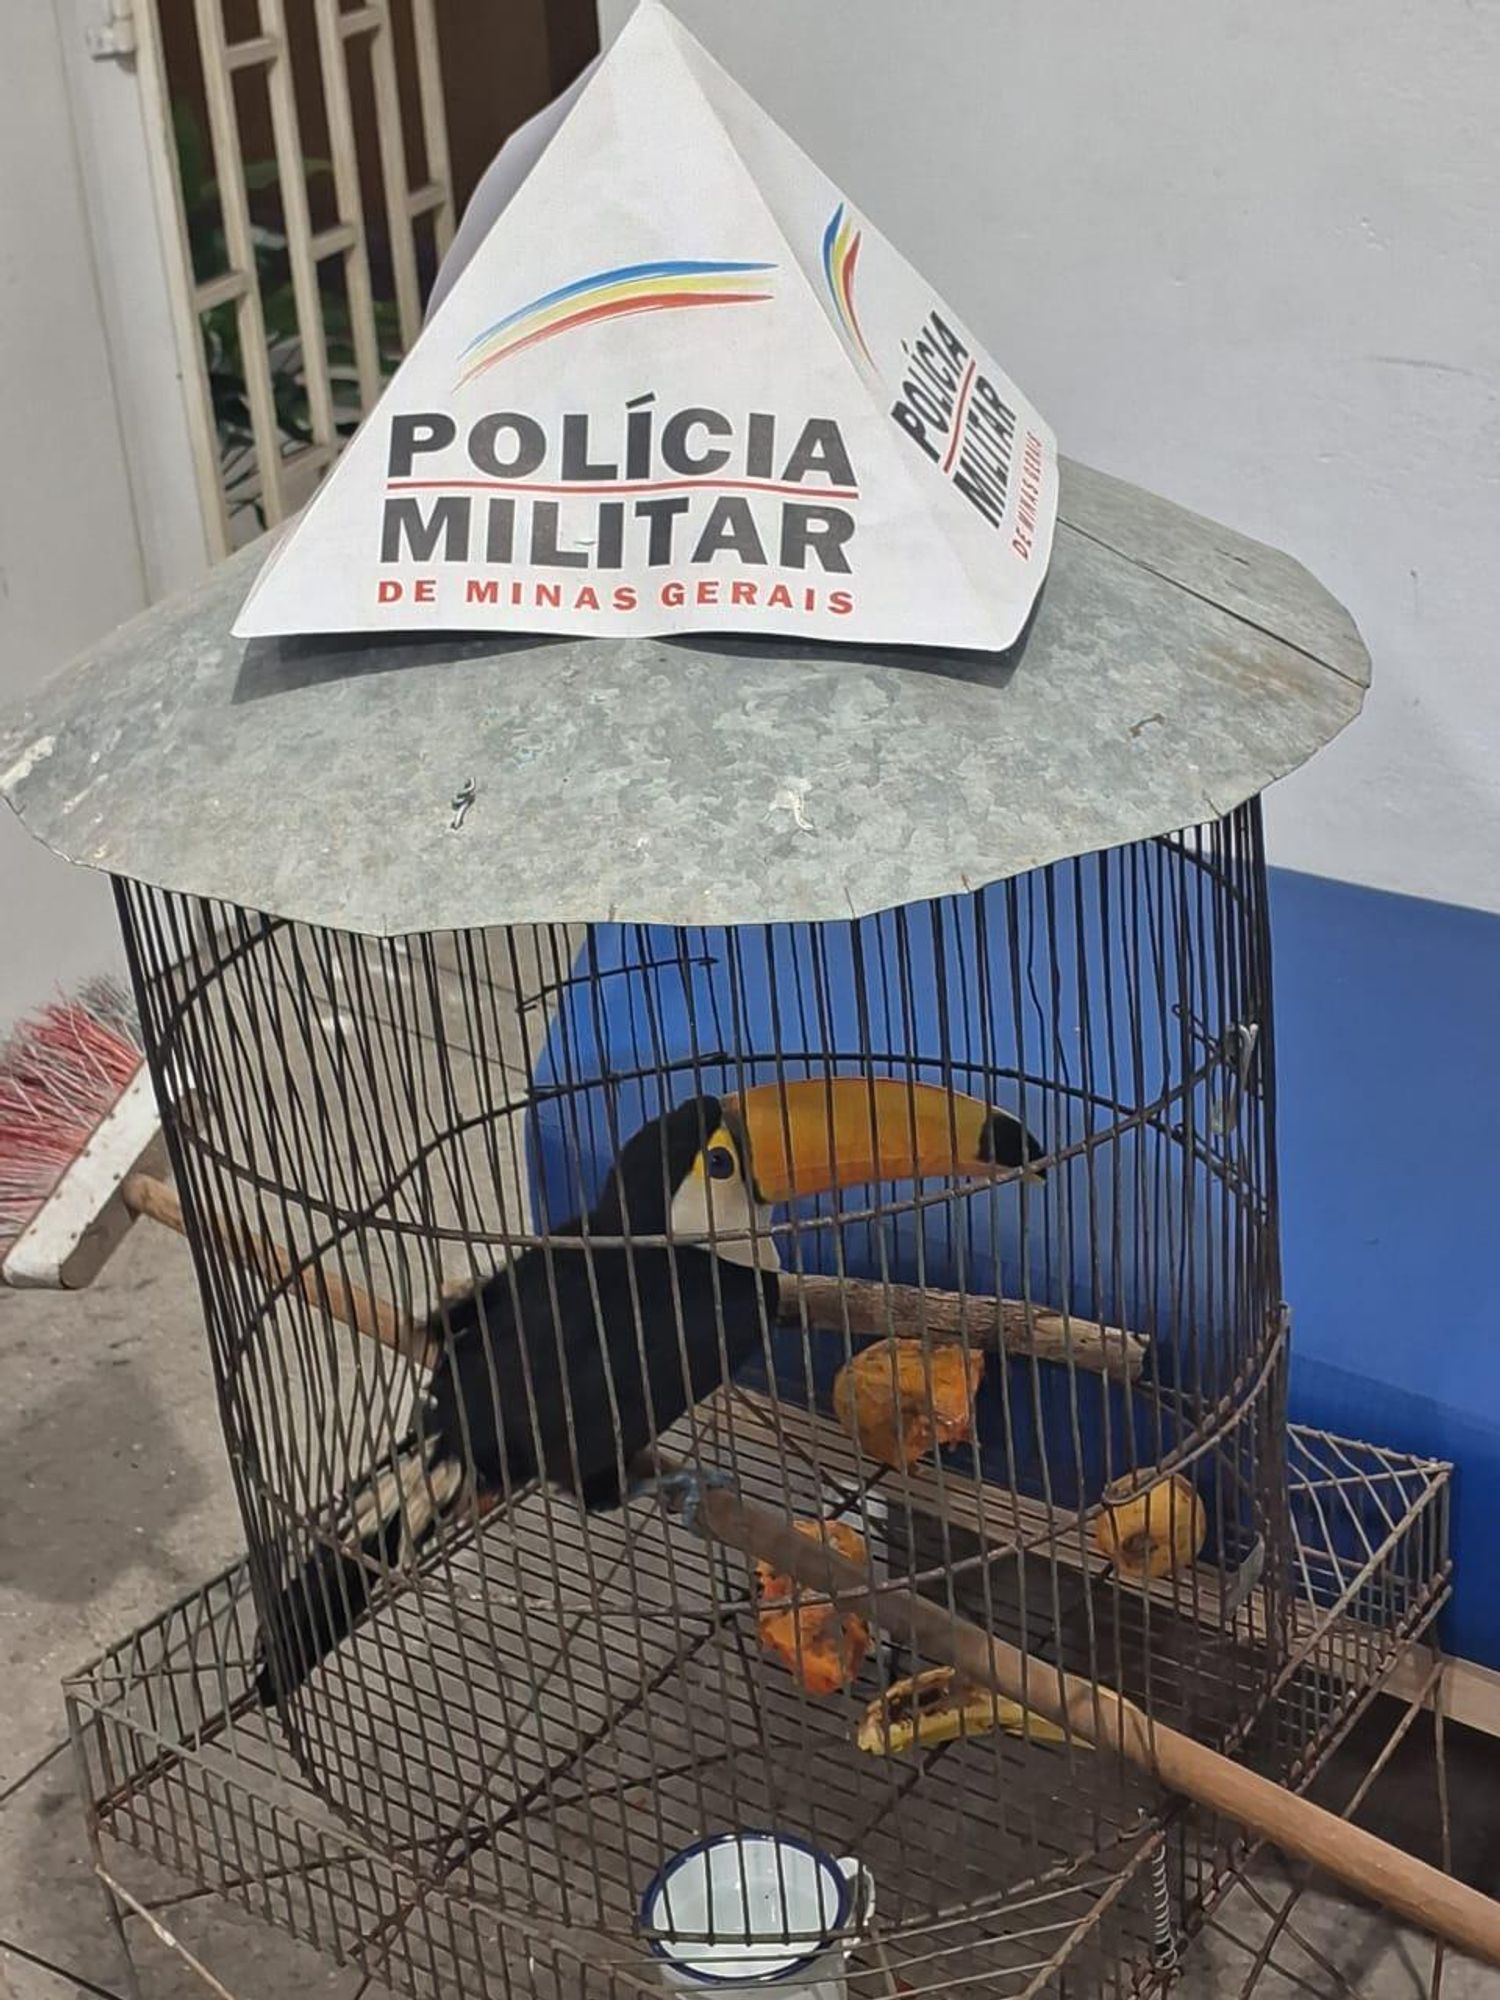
{"points": [[720, 1163]]}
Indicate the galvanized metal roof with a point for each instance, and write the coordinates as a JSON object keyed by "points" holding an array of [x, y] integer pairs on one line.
{"points": [[1172, 669]]}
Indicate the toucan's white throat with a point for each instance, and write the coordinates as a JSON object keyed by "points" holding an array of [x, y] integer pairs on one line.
{"points": [[721, 1213]]}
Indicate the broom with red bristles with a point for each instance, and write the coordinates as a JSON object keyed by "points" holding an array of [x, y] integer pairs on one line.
{"points": [[78, 1117]]}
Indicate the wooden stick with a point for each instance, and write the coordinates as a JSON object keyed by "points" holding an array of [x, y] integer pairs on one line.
{"points": [[323, 1289], [1002, 1325], [1434, 1902], [829, 1304]]}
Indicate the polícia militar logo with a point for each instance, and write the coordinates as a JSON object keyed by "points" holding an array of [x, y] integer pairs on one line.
{"points": [[842, 243], [677, 285]]}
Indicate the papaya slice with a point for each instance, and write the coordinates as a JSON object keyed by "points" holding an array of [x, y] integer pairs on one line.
{"points": [[900, 1401], [1153, 1534], [820, 1645]]}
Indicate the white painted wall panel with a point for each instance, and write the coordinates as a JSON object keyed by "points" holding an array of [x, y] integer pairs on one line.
{"points": [[134, 241], [70, 561], [1247, 257]]}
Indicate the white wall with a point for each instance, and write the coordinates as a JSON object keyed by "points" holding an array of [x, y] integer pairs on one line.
{"points": [[1248, 257], [70, 561], [126, 188]]}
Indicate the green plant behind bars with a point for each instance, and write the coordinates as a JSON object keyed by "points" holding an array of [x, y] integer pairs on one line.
{"points": [[222, 350]]}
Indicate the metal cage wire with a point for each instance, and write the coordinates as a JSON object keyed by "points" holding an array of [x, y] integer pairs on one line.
{"points": [[191, 1789], [544, 1703]]}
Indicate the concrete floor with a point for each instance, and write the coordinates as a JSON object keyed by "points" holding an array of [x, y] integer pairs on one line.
{"points": [[116, 1499]]}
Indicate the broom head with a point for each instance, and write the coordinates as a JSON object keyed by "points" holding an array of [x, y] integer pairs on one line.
{"points": [[77, 1116]]}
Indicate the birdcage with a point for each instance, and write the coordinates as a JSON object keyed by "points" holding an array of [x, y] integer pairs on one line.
{"points": [[722, 1183], [409, 1117]]}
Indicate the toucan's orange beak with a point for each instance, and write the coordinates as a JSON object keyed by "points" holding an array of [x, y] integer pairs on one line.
{"points": [[813, 1136]]}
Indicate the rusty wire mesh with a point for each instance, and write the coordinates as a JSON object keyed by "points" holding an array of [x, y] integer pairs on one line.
{"points": [[192, 1792], [541, 1704]]}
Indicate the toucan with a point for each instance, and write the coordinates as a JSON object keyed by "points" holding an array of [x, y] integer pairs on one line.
{"points": [[568, 1363]]}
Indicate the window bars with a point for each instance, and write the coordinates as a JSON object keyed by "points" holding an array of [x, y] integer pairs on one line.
{"points": [[297, 281]]}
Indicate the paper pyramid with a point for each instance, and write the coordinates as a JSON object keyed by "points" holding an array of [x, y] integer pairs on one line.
{"points": [[681, 387]]}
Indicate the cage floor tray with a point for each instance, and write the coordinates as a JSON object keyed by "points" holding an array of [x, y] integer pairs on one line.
{"points": [[488, 1824]]}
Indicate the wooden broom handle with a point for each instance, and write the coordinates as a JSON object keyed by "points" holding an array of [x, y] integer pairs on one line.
{"points": [[1433, 1902], [323, 1289], [828, 1304]]}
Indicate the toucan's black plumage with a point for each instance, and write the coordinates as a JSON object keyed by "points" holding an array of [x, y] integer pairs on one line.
{"points": [[599, 1334], [563, 1366], [566, 1366]]}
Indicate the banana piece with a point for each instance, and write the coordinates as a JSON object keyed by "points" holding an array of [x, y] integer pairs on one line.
{"points": [[940, 1707]]}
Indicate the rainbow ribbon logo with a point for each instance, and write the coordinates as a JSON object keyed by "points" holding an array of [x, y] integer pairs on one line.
{"points": [[841, 247], [633, 288]]}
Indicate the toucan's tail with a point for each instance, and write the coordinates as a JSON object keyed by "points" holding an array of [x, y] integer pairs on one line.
{"points": [[391, 1519]]}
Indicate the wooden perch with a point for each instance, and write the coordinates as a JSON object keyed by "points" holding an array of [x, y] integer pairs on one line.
{"points": [[1002, 1325], [323, 1289], [1434, 1902], [829, 1305]]}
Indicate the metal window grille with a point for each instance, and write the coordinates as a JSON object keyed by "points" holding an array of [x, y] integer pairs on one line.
{"points": [[256, 470]]}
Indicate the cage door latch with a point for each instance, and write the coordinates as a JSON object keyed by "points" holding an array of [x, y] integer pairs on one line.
{"points": [[113, 37]]}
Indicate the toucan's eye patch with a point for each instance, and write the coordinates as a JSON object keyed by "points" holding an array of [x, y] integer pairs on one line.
{"points": [[722, 1165]]}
